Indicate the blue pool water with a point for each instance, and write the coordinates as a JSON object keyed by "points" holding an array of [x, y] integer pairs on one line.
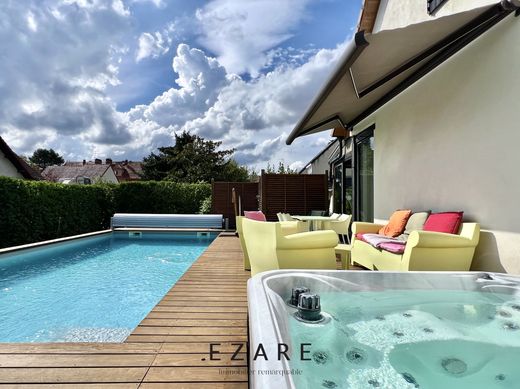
{"points": [[90, 290]]}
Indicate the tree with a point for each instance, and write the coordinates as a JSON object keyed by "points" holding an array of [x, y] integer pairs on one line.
{"points": [[46, 157], [282, 169], [193, 159]]}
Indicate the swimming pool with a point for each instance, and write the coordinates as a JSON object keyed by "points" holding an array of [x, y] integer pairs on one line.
{"points": [[386, 330], [94, 289]]}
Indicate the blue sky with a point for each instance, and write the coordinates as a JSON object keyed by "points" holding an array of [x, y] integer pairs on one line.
{"points": [[117, 78]]}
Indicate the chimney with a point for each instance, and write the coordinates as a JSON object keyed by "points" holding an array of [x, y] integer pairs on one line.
{"points": [[97, 161], [108, 161], [84, 162]]}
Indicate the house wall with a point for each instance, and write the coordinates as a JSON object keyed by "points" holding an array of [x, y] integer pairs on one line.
{"points": [[7, 168], [321, 164], [452, 142], [109, 176], [399, 13]]}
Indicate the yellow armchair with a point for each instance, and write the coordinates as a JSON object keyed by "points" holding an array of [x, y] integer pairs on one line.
{"points": [[270, 248], [425, 250], [288, 228]]}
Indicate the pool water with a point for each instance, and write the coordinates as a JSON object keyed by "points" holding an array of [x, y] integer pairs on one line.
{"points": [[90, 290], [411, 339]]}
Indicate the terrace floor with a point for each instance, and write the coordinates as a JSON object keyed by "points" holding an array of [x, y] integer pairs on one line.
{"points": [[169, 348]]}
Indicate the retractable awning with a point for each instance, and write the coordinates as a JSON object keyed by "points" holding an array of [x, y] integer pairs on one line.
{"points": [[377, 67]]}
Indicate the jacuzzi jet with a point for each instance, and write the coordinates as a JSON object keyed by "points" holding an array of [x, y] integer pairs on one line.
{"points": [[454, 366], [309, 308], [329, 384], [410, 379], [356, 356], [295, 294], [511, 326]]}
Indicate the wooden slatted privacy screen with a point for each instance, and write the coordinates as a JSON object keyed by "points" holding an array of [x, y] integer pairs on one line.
{"points": [[221, 198], [297, 194]]}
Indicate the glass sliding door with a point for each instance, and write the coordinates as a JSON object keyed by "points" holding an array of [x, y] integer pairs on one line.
{"points": [[364, 168], [347, 186], [338, 187]]}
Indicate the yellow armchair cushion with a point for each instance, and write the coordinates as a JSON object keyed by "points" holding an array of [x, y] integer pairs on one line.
{"points": [[309, 240]]}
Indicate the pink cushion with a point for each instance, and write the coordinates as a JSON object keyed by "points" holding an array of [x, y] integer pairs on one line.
{"points": [[448, 222], [255, 215], [395, 248], [360, 237]]}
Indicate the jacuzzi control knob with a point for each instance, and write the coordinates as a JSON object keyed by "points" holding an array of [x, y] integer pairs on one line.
{"points": [[296, 292], [309, 307]]}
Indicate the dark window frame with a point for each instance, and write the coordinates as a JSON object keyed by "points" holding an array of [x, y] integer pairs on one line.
{"points": [[433, 5]]}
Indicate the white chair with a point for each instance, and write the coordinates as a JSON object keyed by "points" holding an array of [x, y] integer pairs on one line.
{"points": [[340, 226]]}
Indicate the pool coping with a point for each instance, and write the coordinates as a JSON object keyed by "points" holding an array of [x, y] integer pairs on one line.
{"points": [[28, 246], [12, 249]]}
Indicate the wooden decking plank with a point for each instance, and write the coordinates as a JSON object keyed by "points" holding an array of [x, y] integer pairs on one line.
{"points": [[198, 385], [189, 360], [193, 323], [196, 374], [72, 375]]}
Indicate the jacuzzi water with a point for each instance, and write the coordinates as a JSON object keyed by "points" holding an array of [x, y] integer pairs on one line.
{"points": [[424, 339], [387, 330], [90, 290]]}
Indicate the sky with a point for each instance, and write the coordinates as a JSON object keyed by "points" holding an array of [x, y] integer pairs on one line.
{"points": [[118, 78]]}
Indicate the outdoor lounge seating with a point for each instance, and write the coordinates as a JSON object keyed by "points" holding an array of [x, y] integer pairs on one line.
{"points": [[424, 250], [287, 228], [340, 226], [268, 247]]}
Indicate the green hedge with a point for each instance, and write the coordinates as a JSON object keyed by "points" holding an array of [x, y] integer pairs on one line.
{"points": [[160, 197], [32, 211]]}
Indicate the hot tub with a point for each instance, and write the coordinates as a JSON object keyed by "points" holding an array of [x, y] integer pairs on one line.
{"points": [[385, 330]]}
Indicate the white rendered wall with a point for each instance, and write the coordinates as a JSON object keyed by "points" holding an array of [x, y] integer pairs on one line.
{"points": [[399, 13], [7, 168], [109, 177], [452, 142]]}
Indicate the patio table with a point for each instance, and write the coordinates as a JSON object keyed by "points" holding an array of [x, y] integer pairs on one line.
{"points": [[313, 220]]}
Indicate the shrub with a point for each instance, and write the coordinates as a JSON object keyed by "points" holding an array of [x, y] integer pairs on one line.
{"points": [[32, 211], [205, 207]]}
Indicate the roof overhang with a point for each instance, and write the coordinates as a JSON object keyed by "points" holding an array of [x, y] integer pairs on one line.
{"points": [[375, 68]]}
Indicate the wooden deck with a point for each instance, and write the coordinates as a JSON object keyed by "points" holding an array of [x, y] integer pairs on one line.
{"points": [[170, 347]]}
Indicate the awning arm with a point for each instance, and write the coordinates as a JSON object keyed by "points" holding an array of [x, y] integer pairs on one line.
{"points": [[354, 49]]}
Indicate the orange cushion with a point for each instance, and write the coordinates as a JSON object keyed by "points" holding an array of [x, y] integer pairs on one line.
{"points": [[396, 224]]}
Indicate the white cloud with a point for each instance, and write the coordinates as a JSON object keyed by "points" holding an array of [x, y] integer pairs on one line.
{"points": [[157, 3], [53, 81], [58, 97], [152, 45], [200, 78], [240, 32]]}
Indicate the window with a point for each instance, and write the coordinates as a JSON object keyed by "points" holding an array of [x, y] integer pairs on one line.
{"points": [[364, 174], [433, 5]]}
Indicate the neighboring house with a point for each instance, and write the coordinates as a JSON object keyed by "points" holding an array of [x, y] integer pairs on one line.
{"points": [[128, 170], [320, 163], [428, 91], [11, 165], [87, 173]]}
